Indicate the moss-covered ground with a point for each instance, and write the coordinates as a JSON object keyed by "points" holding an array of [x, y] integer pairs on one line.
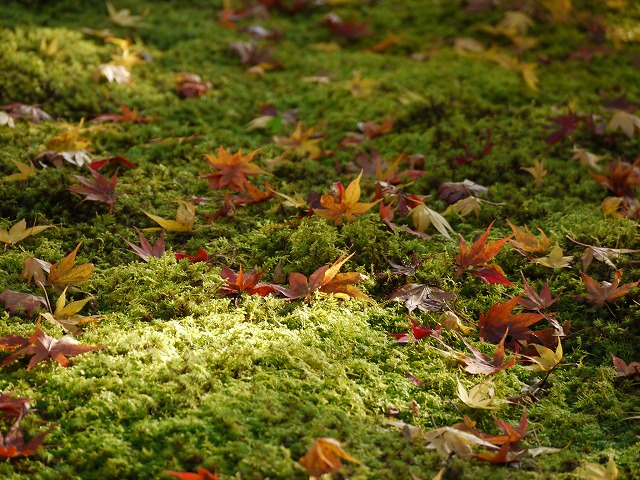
{"points": [[192, 378]]}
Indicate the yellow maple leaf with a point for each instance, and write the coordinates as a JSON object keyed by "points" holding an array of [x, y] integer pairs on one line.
{"points": [[625, 121], [527, 241], [185, 218], [555, 259], [538, 171], [124, 18], [19, 232], [360, 87], [66, 314], [480, 396], [26, 171], [64, 274], [302, 142], [595, 471], [547, 359], [344, 204]]}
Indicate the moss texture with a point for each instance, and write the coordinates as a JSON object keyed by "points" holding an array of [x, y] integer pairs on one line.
{"points": [[191, 378]]}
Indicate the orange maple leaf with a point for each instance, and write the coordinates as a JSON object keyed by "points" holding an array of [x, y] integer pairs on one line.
{"points": [[202, 474], [343, 202], [232, 170], [324, 457], [495, 324], [477, 257], [302, 142]]}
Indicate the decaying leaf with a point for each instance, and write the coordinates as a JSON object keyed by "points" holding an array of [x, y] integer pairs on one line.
{"points": [[425, 298], [595, 471], [324, 456], [343, 202], [42, 346], [64, 274], [190, 85], [449, 441], [66, 315], [479, 363], [18, 302], [185, 218], [19, 232], [603, 254], [480, 396], [599, 294], [632, 370]]}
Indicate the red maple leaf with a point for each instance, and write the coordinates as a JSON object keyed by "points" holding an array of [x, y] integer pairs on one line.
{"points": [[567, 124], [599, 294], [145, 250], [249, 283], [13, 445], [100, 190], [632, 370], [13, 407], [479, 363], [101, 162], [418, 330], [535, 301], [200, 256], [128, 115], [349, 30], [42, 346], [202, 474], [17, 302], [477, 257], [498, 323]]}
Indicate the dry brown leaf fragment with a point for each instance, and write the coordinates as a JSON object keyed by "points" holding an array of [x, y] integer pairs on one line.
{"points": [[35, 269], [64, 274], [631, 370], [124, 18], [17, 302], [586, 158], [602, 254], [324, 456], [425, 298]]}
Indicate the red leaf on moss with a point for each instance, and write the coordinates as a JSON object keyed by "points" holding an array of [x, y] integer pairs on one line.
{"points": [[101, 162], [349, 29], [98, 190], [564, 126], [16, 302], [599, 294], [12, 444], [495, 324], [200, 256], [202, 474], [477, 257], [13, 407], [239, 282], [632, 370], [145, 251]]}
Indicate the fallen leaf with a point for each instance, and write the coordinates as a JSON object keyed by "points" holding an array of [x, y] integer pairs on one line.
{"points": [[98, 190], [202, 474], [249, 283], [324, 457], [13, 445], [602, 254], [595, 471], [35, 269], [114, 74], [145, 250], [479, 363], [18, 302], [190, 85], [586, 158], [555, 259], [43, 346], [14, 407], [423, 216], [448, 441], [625, 121], [418, 332], [26, 172], [525, 241], [19, 232], [124, 18], [185, 218], [343, 203], [599, 294], [567, 124], [547, 359], [99, 163], [231, 170], [425, 298], [349, 30], [66, 315], [537, 171], [360, 87], [63, 274], [535, 301], [480, 396], [623, 180], [632, 370], [6, 119], [200, 256], [499, 323], [302, 142], [127, 115], [452, 192]]}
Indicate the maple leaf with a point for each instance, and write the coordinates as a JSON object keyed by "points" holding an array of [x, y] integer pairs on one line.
{"points": [[231, 170], [451, 192], [254, 55], [625, 121], [360, 87], [632, 370], [249, 283], [547, 359], [21, 110], [418, 331], [100, 190], [502, 456], [17, 302], [114, 73], [398, 269], [66, 315], [535, 301], [124, 18], [325, 279], [202, 474], [480, 396], [499, 323], [190, 85], [602, 254], [349, 30], [19, 232], [34, 269], [423, 297], [449, 441], [369, 131], [586, 158], [13, 445], [567, 124], [43, 346], [99, 163], [477, 257], [128, 115], [479, 363], [595, 471], [26, 172], [555, 259], [200, 256], [343, 203], [14, 407], [185, 218], [324, 457], [145, 250], [423, 216], [302, 142], [525, 241], [6, 119], [623, 180], [63, 274], [599, 294], [537, 171]]}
